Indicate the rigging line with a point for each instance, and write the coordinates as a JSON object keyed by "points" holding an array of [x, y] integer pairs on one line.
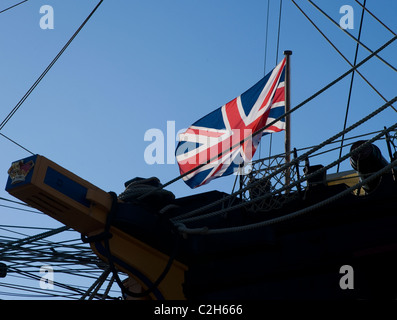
{"points": [[333, 149], [72, 268], [23, 227], [351, 82], [266, 36], [50, 245], [58, 284], [341, 54], [20, 209], [376, 18], [16, 202], [30, 239], [82, 272], [351, 36], [33, 289], [74, 244], [12, 231], [279, 28], [254, 162], [16, 143], [96, 285], [15, 5], [270, 146], [338, 141], [61, 259], [332, 83], [265, 58], [110, 284], [27, 262], [277, 49], [35, 84], [310, 157], [74, 253]]}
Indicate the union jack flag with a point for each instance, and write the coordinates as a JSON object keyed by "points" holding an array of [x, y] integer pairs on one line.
{"points": [[216, 137]]}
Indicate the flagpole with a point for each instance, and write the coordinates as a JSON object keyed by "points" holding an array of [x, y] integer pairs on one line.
{"points": [[287, 54]]}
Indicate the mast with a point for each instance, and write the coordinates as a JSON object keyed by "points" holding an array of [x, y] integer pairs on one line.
{"points": [[287, 143]]}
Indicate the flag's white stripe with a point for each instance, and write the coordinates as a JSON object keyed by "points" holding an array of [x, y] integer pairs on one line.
{"points": [[278, 104], [255, 112]]}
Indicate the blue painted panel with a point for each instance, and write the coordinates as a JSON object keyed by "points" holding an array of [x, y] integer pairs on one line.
{"points": [[67, 186]]}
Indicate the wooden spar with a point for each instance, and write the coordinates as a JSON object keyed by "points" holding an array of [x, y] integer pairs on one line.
{"points": [[287, 54]]}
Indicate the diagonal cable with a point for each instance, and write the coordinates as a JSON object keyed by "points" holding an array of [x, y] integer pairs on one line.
{"points": [[13, 6], [376, 18], [351, 84], [35, 84], [18, 243]]}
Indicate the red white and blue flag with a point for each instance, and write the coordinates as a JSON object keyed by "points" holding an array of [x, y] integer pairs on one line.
{"points": [[217, 136]]}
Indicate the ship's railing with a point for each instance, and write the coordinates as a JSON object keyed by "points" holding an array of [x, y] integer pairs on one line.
{"points": [[255, 180]]}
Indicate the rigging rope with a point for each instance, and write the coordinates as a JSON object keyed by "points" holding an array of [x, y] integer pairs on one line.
{"points": [[264, 64], [351, 82], [267, 31], [279, 28], [277, 50], [13, 201], [15, 5], [18, 243], [96, 285], [16, 143]]}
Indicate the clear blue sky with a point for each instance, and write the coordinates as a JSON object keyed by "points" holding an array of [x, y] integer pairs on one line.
{"points": [[138, 64]]}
